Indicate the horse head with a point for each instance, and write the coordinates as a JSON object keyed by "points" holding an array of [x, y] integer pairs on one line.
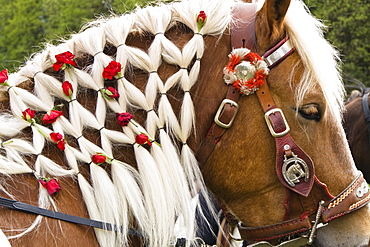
{"points": [[305, 85]]}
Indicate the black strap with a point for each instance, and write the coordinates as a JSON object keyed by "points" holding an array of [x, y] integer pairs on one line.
{"points": [[365, 107], [27, 208]]}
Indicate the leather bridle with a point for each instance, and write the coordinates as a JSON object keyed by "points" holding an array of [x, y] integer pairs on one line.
{"points": [[319, 206]]}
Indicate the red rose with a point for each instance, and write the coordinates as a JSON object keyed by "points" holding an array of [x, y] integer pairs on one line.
{"points": [[61, 145], [43, 182], [67, 88], [113, 69], [201, 17], [3, 76], [28, 114], [58, 138], [111, 92], [143, 139], [124, 118], [98, 158], [52, 185], [64, 60], [51, 117]]}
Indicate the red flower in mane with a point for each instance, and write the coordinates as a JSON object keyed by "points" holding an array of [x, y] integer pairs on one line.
{"points": [[99, 158], [124, 118], [110, 93], [64, 60], [51, 117], [58, 138], [4, 77], [143, 139], [67, 88], [201, 19], [113, 69], [52, 185], [28, 114]]}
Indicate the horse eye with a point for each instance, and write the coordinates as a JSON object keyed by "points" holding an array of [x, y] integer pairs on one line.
{"points": [[310, 112]]}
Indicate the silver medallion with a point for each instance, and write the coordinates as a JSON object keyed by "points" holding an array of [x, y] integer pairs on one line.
{"points": [[295, 169], [245, 71]]}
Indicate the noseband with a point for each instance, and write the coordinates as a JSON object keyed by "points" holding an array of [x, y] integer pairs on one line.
{"points": [[309, 204]]}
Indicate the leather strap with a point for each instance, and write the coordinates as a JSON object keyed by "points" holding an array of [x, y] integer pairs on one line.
{"points": [[226, 114], [278, 53], [242, 36], [27, 208], [242, 30], [355, 196], [365, 107], [286, 228], [285, 145]]}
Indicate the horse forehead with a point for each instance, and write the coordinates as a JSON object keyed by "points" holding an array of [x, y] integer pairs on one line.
{"points": [[286, 84]]}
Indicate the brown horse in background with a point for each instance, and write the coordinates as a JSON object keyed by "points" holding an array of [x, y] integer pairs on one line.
{"points": [[356, 125], [124, 149]]}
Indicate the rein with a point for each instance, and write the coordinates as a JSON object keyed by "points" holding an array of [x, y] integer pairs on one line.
{"points": [[294, 167], [27, 208]]}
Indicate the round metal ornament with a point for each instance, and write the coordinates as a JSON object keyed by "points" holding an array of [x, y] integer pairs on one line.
{"points": [[295, 169], [246, 71]]}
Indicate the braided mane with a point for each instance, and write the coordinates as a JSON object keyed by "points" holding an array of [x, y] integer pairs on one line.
{"points": [[160, 190]]}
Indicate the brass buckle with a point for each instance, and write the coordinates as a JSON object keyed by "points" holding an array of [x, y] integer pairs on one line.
{"points": [[218, 113], [269, 124]]}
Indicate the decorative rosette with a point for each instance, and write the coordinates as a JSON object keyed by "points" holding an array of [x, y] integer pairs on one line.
{"points": [[246, 71]]}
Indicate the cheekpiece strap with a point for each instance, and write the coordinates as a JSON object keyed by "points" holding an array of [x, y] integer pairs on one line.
{"points": [[294, 167], [242, 36]]}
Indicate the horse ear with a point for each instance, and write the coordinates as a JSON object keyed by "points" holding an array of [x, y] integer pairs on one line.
{"points": [[275, 11]]}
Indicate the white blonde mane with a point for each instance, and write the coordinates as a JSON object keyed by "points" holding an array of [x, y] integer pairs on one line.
{"points": [[320, 59], [158, 192]]}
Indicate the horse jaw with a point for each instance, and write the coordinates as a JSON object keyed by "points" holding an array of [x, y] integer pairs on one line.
{"points": [[349, 235]]}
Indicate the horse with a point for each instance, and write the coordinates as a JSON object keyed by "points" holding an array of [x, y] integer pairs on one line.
{"points": [[109, 138], [356, 125]]}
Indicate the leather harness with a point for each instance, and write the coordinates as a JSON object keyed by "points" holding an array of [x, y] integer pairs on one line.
{"points": [[323, 210]]}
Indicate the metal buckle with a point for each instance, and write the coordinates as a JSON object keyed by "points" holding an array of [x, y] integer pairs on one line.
{"points": [[269, 124], [218, 113]]}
